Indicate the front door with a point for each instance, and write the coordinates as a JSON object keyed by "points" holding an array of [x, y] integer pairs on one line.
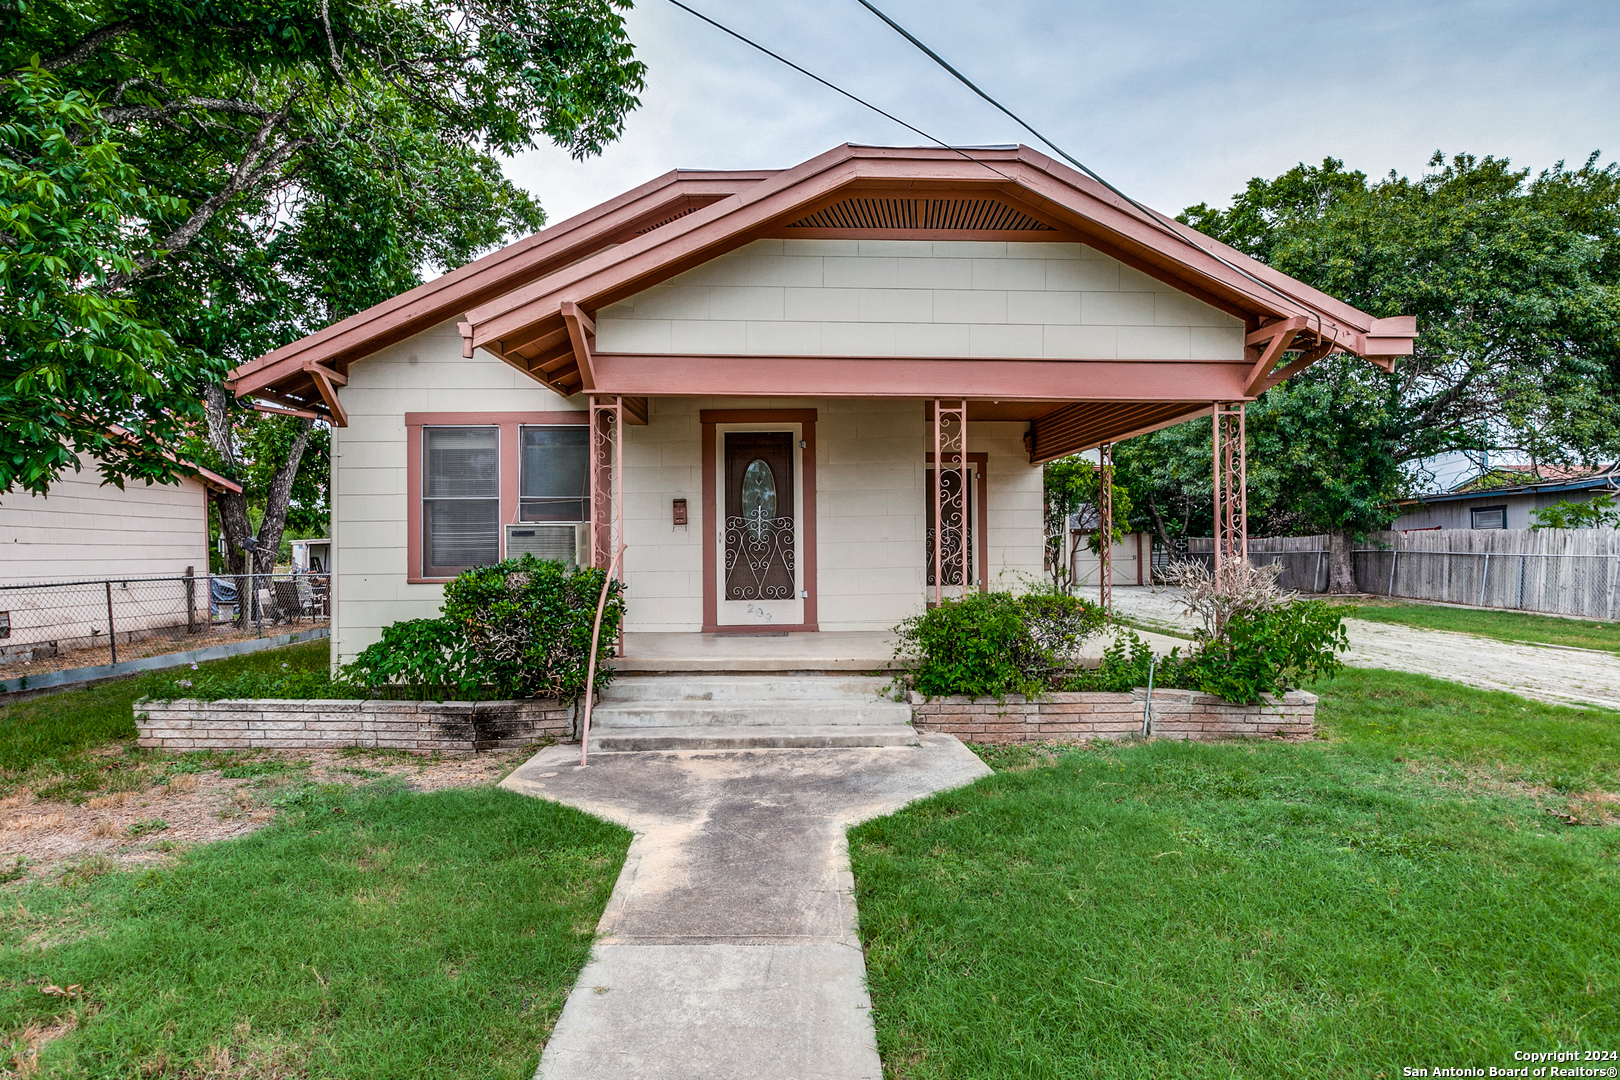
{"points": [[760, 541]]}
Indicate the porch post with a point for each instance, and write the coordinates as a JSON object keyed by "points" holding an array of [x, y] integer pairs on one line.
{"points": [[1231, 487], [607, 479], [1105, 514], [950, 444]]}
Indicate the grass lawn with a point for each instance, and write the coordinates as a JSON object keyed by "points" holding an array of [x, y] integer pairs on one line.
{"points": [[1407, 891], [50, 743], [369, 933], [1502, 625], [366, 931]]}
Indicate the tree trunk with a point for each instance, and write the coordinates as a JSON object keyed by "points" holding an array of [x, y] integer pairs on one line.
{"points": [[234, 523], [1158, 522], [1341, 564]]}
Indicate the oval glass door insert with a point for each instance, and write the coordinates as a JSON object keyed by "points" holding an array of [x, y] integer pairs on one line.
{"points": [[758, 498]]}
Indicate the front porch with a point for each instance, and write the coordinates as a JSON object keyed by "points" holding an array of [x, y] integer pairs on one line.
{"points": [[778, 651]]}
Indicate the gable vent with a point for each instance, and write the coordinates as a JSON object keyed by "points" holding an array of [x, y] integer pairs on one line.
{"points": [[940, 214], [666, 221]]}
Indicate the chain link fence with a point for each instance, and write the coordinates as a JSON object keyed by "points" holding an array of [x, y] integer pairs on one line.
{"points": [[59, 625]]}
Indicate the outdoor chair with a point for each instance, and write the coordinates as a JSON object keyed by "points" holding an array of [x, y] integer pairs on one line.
{"points": [[287, 605]]}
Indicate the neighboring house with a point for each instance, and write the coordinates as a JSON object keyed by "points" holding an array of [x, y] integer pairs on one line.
{"points": [[744, 378], [1505, 497], [114, 539], [87, 529]]}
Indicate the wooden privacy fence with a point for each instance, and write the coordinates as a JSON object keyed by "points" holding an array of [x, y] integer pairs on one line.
{"points": [[1558, 571], [1303, 558]]}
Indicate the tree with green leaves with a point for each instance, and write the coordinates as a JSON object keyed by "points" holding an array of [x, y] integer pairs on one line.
{"points": [[1072, 487], [187, 184], [1515, 282], [1598, 512]]}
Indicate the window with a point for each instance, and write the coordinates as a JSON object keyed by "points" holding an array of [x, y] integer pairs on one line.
{"points": [[1489, 517], [461, 499], [555, 481]]}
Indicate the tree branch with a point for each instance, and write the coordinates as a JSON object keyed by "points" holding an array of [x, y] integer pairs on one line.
{"points": [[124, 114], [249, 171], [88, 45]]}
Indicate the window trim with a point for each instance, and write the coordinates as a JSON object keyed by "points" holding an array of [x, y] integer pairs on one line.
{"points": [[1473, 511], [509, 462]]}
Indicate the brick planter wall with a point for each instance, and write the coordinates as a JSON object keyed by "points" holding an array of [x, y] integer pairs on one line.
{"points": [[418, 726], [1177, 714]]}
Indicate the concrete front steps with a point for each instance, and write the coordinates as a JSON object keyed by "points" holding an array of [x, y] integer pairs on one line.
{"points": [[686, 711]]}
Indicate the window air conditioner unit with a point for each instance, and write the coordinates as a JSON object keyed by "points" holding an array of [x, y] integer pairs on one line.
{"points": [[570, 544]]}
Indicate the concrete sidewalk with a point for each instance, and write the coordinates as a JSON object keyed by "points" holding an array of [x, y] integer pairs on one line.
{"points": [[729, 946], [1549, 673]]}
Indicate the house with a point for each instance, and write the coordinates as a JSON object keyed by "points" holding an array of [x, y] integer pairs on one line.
{"points": [[103, 545], [1505, 496], [744, 381], [87, 528]]}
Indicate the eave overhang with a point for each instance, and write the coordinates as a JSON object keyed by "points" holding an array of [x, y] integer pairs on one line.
{"points": [[533, 304]]}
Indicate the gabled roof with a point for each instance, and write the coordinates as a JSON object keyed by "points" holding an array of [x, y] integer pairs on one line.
{"points": [[207, 477], [1526, 480], [284, 373], [532, 304]]}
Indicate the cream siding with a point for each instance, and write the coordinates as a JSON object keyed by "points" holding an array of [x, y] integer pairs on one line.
{"points": [[426, 373], [919, 298], [870, 495], [85, 529]]}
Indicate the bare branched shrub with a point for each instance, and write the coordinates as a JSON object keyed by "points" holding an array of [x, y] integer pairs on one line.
{"points": [[1243, 589]]}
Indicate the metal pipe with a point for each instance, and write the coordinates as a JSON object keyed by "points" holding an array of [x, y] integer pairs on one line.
{"points": [[112, 635], [1484, 576], [1147, 704], [590, 667]]}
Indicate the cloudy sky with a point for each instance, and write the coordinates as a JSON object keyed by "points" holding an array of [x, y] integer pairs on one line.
{"points": [[1175, 101]]}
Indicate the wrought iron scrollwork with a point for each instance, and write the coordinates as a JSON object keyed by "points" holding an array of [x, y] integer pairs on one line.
{"points": [[756, 547]]}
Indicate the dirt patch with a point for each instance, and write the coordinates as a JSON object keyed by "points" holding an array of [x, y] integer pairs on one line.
{"points": [[145, 827]]}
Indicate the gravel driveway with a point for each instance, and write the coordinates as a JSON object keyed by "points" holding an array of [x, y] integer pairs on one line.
{"points": [[1545, 672]]}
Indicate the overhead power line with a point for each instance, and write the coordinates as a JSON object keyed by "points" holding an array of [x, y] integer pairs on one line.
{"points": [[1153, 216]]}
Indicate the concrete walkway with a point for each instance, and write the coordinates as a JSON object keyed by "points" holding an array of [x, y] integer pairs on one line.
{"points": [[729, 946], [1562, 676]]}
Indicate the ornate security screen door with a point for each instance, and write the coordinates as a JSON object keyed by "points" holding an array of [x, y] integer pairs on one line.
{"points": [[760, 518]]}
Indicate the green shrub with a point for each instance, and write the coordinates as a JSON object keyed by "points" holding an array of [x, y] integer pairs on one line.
{"points": [[521, 628], [1126, 664], [527, 625], [995, 643], [427, 657], [1269, 651]]}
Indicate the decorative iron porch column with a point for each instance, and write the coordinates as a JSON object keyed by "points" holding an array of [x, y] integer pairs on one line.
{"points": [[607, 480], [1231, 488], [1105, 525], [951, 523]]}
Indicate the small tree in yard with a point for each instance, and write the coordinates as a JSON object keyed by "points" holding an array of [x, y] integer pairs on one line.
{"points": [[1072, 485], [1599, 512]]}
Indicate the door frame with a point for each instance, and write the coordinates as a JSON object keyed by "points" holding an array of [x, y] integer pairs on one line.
{"points": [[805, 419], [978, 465]]}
